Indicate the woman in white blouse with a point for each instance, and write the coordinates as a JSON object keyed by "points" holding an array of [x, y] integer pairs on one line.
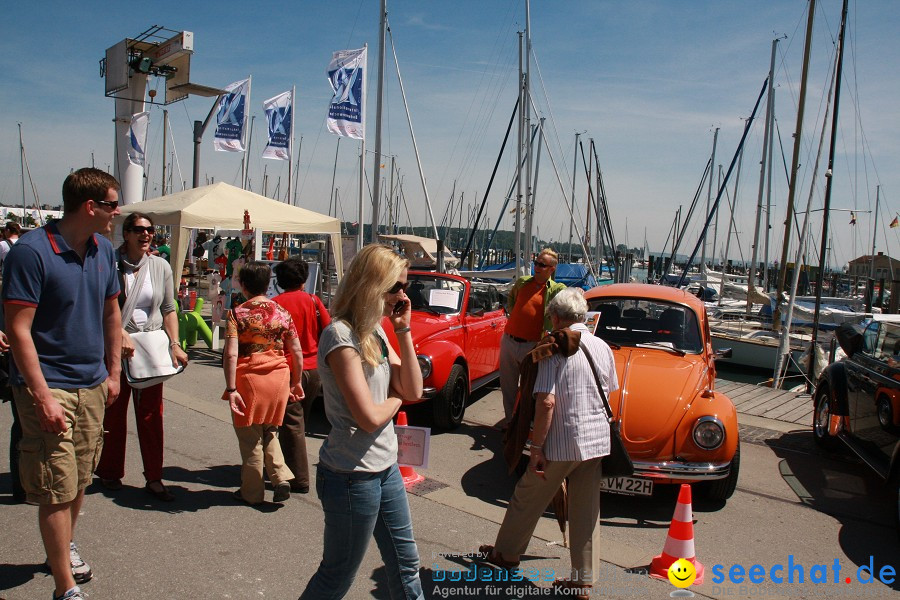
{"points": [[154, 309]]}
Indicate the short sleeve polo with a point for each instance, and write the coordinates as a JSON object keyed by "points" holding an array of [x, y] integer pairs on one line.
{"points": [[69, 295]]}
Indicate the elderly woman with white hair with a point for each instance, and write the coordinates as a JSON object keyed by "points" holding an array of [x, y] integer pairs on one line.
{"points": [[571, 435]]}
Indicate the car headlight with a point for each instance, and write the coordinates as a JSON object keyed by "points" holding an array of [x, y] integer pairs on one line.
{"points": [[424, 365], [709, 433]]}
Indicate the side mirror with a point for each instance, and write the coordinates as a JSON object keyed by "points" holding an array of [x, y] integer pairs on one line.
{"points": [[477, 312], [850, 338], [723, 353]]}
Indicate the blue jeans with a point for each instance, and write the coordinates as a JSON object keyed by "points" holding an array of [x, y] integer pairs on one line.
{"points": [[358, 505]]}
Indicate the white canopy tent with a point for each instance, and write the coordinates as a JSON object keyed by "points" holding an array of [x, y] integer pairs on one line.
{"points": [[222, 206]]}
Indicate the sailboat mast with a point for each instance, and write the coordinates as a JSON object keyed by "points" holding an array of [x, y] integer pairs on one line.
{"points": [[874, 233], [526, 96], [712, 162], [376, 175], [767, 131], [518, 218], [795, 164], [22, 168], [574, 170], [829, 177]]}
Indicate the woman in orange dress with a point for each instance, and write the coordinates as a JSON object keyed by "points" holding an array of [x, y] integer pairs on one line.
{"points": [[259, 383]]}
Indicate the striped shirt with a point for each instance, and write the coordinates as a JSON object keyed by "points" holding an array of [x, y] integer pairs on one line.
{"points": [[579, 429]]}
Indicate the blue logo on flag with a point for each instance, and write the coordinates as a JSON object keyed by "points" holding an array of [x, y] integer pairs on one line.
{"points": [[230, 118], [347, 84], [279, 126]]}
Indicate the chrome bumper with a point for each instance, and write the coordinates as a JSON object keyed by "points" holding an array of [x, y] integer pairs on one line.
{"points": [[428, 393], [698, 471]]}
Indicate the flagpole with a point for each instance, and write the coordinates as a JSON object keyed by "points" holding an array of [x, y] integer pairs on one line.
{"points": [[362, 166], [290, 193]]}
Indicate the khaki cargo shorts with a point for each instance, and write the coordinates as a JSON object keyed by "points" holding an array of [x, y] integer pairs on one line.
{"points": [[54, 467]]}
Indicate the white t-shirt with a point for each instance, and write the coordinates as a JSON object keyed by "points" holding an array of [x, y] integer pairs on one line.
{"points": [[5, 246], [144, 300]]}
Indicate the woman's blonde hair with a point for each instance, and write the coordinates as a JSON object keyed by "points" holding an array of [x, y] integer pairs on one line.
{"points": [[359, 300]]}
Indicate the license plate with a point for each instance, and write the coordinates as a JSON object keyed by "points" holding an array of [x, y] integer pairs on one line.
{"points": [[629, 486]]}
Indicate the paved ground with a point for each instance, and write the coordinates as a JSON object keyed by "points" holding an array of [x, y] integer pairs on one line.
{"points": [[205, 545]]}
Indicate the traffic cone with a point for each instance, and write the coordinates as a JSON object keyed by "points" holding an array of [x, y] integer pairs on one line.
{"points": [[409, 474], [679, 541]]}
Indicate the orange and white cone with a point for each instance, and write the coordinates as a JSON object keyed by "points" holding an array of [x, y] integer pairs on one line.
{"points": [[679, 541], [409, 474]]}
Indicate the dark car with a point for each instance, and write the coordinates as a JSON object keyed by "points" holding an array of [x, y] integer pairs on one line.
{"points": [[857, 399]]}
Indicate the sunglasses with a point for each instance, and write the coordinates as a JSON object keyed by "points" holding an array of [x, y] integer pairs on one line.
{"points": [[109, 205], [400, 285], [539, 265], [138, 229]]}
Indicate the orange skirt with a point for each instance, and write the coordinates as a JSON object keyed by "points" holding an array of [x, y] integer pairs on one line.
{"points": [[263, 380]]}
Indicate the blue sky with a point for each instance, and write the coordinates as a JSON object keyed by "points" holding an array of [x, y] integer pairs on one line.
{"points": [[649, 81]]}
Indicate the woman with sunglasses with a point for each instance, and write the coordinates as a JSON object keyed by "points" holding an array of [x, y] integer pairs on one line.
{"points": [[153, 310], [364, 382]]}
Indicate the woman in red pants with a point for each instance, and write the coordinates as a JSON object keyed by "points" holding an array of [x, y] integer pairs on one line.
{"points": [[149, 279]]}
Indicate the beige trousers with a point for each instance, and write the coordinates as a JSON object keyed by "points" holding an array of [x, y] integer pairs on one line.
{"points": [[512, 353], [531, 498], [259, 446]]}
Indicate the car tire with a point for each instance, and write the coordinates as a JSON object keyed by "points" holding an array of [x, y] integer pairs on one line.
{"points": [[723, 489], [449, 405], [822, 419]]}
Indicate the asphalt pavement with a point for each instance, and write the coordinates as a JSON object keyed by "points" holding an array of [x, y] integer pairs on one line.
{"points": [[206, 545]]}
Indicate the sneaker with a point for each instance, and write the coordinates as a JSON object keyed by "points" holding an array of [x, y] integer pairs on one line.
{"points": [[282, 492], [81, 571], [74, 594]]}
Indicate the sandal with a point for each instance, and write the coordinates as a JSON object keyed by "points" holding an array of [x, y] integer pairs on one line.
{"points": [[163, 494], [495, 558]]}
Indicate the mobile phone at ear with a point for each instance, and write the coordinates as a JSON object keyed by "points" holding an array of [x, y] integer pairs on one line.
{"points": [[399, 307]]}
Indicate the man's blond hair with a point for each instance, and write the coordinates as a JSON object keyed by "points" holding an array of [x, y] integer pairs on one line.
{"points": [[550, 252]]}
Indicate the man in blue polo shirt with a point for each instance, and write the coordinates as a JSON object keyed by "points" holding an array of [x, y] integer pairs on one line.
{"points": [[59, 292]]}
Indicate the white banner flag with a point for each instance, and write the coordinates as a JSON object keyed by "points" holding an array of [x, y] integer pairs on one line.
{"points": [[279, 115], [231, 118], [347, 110], [137, 138]]}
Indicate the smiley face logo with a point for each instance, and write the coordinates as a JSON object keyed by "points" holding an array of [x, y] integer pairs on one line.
{"points": [[682, 573]]}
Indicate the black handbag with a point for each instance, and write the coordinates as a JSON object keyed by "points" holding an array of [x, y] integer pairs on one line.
{"points": [[617, 463]]}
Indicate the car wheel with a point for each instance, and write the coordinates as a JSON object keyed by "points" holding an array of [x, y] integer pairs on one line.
{"points": [[722, 489], [822, 419], [449, 405], [885, 413]]}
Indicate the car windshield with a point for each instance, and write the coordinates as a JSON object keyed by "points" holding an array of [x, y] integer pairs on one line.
{"points": [[435, 294], [636, 322]]}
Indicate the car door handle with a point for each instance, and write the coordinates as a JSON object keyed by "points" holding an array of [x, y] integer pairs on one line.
{"points": [[494, 324]]}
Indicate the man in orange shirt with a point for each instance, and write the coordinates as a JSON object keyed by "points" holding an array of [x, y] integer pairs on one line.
{"points": [[528, 320]]}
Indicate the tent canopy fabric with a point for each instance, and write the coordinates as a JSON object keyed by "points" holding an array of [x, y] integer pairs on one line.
{"points": [[422, 252], [222, 206]]}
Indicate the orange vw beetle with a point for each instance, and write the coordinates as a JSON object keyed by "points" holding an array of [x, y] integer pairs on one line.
{"points": [[676, 427]]}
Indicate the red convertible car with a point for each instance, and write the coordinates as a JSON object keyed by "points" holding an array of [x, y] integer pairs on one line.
{"points": [[456, 328], [676, 427]]}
